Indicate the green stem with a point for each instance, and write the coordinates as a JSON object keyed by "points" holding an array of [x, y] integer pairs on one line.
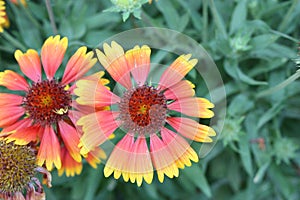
{"points": [[217, 18], [280, 85], [286, 18], [6, 49], [51, 16], [205, 21], [13, 41], [30, 17]]}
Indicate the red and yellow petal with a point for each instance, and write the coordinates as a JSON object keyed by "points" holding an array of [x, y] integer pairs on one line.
{"points": [[79, 64], [191, 129], [20, 124], [94, 157], [70, 166], [49, 152], [52, 54], [131, 160], [180, 150], [70, 138], [30, 64], [97, 128], [3, 16], [162, 158], [13, 81], [182, 89], [177, 71], [194, 107], [25, 135], [138, 60], [114, 61], [10, 114], [93, 93]]}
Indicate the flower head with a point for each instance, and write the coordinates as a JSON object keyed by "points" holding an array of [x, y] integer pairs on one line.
{"points": [[44, 113], [4, 22], [17, 170], [144, 110]]}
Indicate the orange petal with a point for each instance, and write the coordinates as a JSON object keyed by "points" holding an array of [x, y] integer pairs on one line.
{"points": [[52, 54], [97, 127], [177, 71], [114, 61], [13, 81], [49, 151], [30, 64], [194, 107], [94, 157], [71, 139], [10, 114], [79, 64], [191, 129], [182, 89], [25, 135], [138, 59], [162, 158], [179, 148], [94, 94], [10, 99], [69, 165]]}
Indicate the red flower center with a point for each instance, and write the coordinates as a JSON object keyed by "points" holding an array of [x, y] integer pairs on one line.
{"points": [[143, 110], [47, 102]]}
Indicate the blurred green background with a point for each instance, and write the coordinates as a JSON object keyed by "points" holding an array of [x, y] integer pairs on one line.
{"points": [[254, 43]]}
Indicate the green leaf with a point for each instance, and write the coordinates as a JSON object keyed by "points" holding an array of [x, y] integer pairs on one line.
{"points": [[195, 174], [263, 41], [239, 15], [169, 12], [244, 150], [270, 114], [261, 172]]}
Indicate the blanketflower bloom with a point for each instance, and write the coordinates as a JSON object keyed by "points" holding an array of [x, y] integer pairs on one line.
{"points": [[144, 110], [45, 113], [17, 173], [4, 22]]}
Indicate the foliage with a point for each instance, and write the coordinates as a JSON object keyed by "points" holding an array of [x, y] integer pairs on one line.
{"points": [[254, 45]]}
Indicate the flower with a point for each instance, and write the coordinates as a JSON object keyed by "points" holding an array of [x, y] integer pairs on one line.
{"points": [[144, 110], [44, 113], [4, 22], [17, 170]]}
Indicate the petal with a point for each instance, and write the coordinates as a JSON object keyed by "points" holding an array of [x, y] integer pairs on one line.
{"points": [[97, 127], [194, 107], [30, 64], [180, 150], [69, 165], [162, 158], [94, 157], [177, 71], [10, 99], [182, 89], [119, 157], [79, 64], [131, 159], [13, 81], [140, 164], [71, 139], [52, 54], [20, 124], [138, 59], [10, 114], [49, 151], [191, 129], [114, 61], [94, 94], [25, 135]]}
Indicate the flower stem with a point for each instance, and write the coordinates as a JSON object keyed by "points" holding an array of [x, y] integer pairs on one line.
{"points": [[286, 18], [51, 16], [280, 85], [205, 21], [13, 41]]}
